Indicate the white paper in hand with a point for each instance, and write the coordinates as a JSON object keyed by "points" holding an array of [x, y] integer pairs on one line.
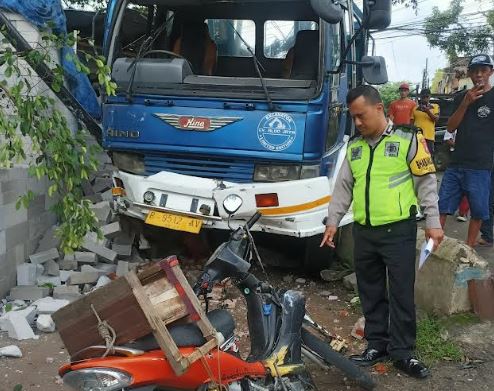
{"points": [[425, 251]]}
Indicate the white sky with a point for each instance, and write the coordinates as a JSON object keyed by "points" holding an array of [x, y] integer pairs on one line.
{"points": [[406, 56]]}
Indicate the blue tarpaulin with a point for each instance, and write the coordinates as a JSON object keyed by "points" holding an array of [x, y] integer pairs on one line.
{"points": [[44, 13]]}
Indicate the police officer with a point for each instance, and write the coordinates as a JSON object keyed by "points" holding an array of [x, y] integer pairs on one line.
{"points": [[385, 169]]}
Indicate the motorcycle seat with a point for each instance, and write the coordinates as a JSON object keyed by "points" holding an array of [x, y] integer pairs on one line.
{"points": [[189, 334]]}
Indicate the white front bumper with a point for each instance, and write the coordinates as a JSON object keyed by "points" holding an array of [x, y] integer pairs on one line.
{"points": [[302, 204]]}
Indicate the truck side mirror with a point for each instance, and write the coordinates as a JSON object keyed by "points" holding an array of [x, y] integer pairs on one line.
{"points": [[377, 14], [374, 69], [327, 10]]}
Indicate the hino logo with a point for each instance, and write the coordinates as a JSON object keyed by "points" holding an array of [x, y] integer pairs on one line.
{"points": [[123, 133], [201, 124], [194, 123]]}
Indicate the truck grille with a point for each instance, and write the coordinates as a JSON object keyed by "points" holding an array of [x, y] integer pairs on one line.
{"points": [[232, 170]]}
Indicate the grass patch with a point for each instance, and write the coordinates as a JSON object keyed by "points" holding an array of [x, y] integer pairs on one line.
{"points": [[433, 344], [459, 320]]}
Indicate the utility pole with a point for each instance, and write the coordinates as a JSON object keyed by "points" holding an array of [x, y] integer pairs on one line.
{"points": [[425, 75]]}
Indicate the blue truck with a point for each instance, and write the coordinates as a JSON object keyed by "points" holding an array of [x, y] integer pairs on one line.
{"points": [[238, 102]]}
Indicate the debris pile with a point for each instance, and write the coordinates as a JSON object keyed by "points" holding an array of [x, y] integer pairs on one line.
{"points": [[50, 279]]}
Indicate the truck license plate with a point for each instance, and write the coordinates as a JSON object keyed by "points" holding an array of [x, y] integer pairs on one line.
{"points": [[176, 222]]}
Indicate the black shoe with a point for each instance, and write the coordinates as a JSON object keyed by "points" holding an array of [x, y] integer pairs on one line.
{"points": [[369, 357], [412, 367]]}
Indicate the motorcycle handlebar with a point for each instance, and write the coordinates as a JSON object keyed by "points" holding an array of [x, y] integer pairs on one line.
{"points": [[253, 220]]}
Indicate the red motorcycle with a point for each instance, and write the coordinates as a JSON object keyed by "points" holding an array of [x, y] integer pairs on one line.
{"points": [[279, 336]]}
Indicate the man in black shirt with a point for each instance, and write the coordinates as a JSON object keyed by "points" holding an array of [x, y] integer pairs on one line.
{"points": [[470, 168]]}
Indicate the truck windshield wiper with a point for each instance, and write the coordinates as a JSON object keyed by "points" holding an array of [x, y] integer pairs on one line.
{"points": [[145, 46], [258, 71]]}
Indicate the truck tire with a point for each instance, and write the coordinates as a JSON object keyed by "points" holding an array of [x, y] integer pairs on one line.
{"points": [[331, 357]]}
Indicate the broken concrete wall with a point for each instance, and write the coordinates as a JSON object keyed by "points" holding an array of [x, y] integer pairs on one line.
{"points": [[20, 230]]}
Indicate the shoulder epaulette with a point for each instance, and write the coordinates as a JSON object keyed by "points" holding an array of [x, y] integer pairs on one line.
{"points": [[407, 128]]}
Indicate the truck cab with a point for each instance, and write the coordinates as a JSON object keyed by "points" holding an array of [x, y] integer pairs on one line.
{"points": [[231, 102]]}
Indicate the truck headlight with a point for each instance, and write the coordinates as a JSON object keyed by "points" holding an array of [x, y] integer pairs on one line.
{"points": [[97, 379], [310, 171], [280, 173], [130, 162]]}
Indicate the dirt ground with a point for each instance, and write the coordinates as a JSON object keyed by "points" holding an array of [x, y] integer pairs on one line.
{"points": [[37, 370]]}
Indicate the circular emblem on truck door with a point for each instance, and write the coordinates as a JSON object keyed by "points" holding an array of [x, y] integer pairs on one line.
{"points": [[276, 131]]}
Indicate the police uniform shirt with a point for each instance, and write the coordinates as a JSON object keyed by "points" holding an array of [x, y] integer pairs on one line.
{"points": [[424, 179]]}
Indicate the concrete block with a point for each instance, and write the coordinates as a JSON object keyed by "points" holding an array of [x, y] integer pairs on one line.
{"points": [[8, 197], [16, 234], [87, 189], [11, 351], [52, 268], [51, 280], [101, 272], [36, 207], [106, 267], [49, 305], [39, 225], [66, 292], [102, 211], [441, 285], [350, 282], [123, 250], [107, 195], [143, 243], [11, 216], [44, 256], [102, 281], [45, 323], [68, 263], [102, 251], [124, 238], [48, 240], [26, 274], [77, 278], [3, 242], [28, 313], [85, 257], [18, 327], [64, 275], [102, 184], [122, 268], [111, 230], [28, 292]]}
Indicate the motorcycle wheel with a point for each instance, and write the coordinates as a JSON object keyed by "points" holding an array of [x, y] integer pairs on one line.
{"points": [[331, 357]]}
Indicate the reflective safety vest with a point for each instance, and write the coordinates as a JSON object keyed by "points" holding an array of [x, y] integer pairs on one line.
{"points": [[383, 190]]}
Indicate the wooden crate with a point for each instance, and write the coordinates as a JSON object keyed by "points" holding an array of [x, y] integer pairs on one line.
{"points": [[134, 306]]}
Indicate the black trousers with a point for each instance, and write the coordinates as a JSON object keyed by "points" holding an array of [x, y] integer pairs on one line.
{"points": [[385, 255]]}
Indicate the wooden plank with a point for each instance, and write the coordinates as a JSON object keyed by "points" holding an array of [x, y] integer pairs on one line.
{"points": [[161, 333], [171, 310], [204, 324], [202, 351]]}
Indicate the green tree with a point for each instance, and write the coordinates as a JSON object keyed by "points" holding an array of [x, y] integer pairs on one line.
{"points": [[389, 92], [438, 75], [446, 31]]}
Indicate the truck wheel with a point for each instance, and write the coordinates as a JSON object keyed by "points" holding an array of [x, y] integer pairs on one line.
{"points": [[315, 257]]}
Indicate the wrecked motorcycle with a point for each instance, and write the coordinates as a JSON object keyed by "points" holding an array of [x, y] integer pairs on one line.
{"points": [[280, 336]]}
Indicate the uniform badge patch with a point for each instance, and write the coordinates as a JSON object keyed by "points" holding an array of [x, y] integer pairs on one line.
{"points": [[483, 111], [391, 148], [356, 153]]}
